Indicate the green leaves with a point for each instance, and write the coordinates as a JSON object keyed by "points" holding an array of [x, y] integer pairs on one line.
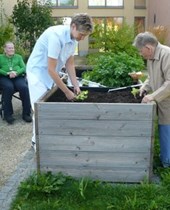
{"points": [[6, 34], [42, 183], [135, 91], [82, 96], [82, 186], [112, 69]]}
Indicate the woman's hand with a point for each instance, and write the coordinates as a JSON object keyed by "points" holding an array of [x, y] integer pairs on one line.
{"points": [[77, 90], [70, 95], [12, 74]]}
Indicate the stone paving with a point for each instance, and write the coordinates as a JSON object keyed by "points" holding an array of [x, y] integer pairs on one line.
{"points": [[24, 169]]}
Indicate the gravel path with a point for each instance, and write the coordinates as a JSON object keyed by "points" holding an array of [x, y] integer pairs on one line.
{"points": [[15, 141]]}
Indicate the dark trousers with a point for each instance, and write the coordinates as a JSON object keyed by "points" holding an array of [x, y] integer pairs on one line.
{"points": [[9, 87]]}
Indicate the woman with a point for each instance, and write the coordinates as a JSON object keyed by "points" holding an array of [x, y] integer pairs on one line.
{"points": [[12, 79], [53, 50]]}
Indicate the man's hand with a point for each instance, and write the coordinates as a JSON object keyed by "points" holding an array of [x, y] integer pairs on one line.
{"points": [[147, 98], [142, 92]]}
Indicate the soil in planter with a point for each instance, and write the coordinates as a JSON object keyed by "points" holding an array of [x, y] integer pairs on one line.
{"points": [[97, 96]]}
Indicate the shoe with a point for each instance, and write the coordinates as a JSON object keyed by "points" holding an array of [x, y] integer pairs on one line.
{"points": [[33, 145], [27, 118], [9, 119]]}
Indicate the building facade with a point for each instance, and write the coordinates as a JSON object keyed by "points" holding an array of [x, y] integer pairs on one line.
{"points": [[133, 11], [102, 11], [159, 16]]}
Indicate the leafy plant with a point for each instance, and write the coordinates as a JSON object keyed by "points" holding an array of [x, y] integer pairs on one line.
{"points": [[107, 39], [82, 96], [116, 56], [6, 34], [82, 186], [135, 91], [86, 194], [161, 32], [111, 69], [42, 183]]}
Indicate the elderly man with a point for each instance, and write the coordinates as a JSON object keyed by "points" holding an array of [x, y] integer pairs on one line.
{"points": [[157, 86], [12, 78]]}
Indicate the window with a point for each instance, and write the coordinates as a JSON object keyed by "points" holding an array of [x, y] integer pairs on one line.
{"points": [[140, 4], [106, 3], [66, 3], [60, 3], [115, 3], [108, 21], [51, 2]]}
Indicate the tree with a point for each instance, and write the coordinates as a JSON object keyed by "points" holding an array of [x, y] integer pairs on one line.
{"points": [[30, 20], [6, 29], [113, 38]]}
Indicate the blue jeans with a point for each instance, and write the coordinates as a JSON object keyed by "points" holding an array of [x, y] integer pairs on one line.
{"points": [[9, 86], [164, 138]]}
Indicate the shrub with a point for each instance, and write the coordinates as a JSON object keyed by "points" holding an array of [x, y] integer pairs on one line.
{"points": [[109, 39], [112, 69], [161, 32], [116, 56], [6, 34]]}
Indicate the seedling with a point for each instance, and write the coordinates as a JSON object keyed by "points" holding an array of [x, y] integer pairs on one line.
{"points": [[135, 91], [82, 96]]}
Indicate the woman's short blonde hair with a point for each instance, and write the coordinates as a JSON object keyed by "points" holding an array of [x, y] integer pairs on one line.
{"points": [[83, 22]]}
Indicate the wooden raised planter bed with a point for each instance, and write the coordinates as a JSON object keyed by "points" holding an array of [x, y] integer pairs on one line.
{"points": [[106, 141]]}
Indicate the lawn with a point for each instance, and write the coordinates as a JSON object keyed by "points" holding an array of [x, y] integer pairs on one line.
{"points": [[59, 192]]}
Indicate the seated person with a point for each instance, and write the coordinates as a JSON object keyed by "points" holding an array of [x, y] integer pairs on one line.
{"points": [[12, 78]]}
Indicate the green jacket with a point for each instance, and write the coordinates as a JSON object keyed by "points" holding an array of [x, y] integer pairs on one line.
{"points": [[14, 63]]}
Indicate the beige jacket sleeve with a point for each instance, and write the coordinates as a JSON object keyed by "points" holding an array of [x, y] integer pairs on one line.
{"points": [[164, 90]]}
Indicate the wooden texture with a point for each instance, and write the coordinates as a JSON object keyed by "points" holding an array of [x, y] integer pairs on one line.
{"points": [[109, 142]]}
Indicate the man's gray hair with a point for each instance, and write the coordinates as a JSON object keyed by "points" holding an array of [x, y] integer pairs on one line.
{"points": [[145, 38], [83, 22]]}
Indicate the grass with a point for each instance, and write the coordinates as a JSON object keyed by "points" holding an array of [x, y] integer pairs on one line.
{"points": [[59, 192]]}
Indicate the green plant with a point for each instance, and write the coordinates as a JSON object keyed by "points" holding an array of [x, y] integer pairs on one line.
{"points": [[82, 96], [135, 92], [82, 186], [42, 183], [111, 69], [161, 32], [85, 194], [22, 50], [6, 34], [165, 175], [107, 39]]}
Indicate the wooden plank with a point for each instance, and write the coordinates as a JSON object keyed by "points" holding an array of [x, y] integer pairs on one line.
{"points": [[94, 128], [112, 175], [93, 143], [95, 159], [94, 111]]}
